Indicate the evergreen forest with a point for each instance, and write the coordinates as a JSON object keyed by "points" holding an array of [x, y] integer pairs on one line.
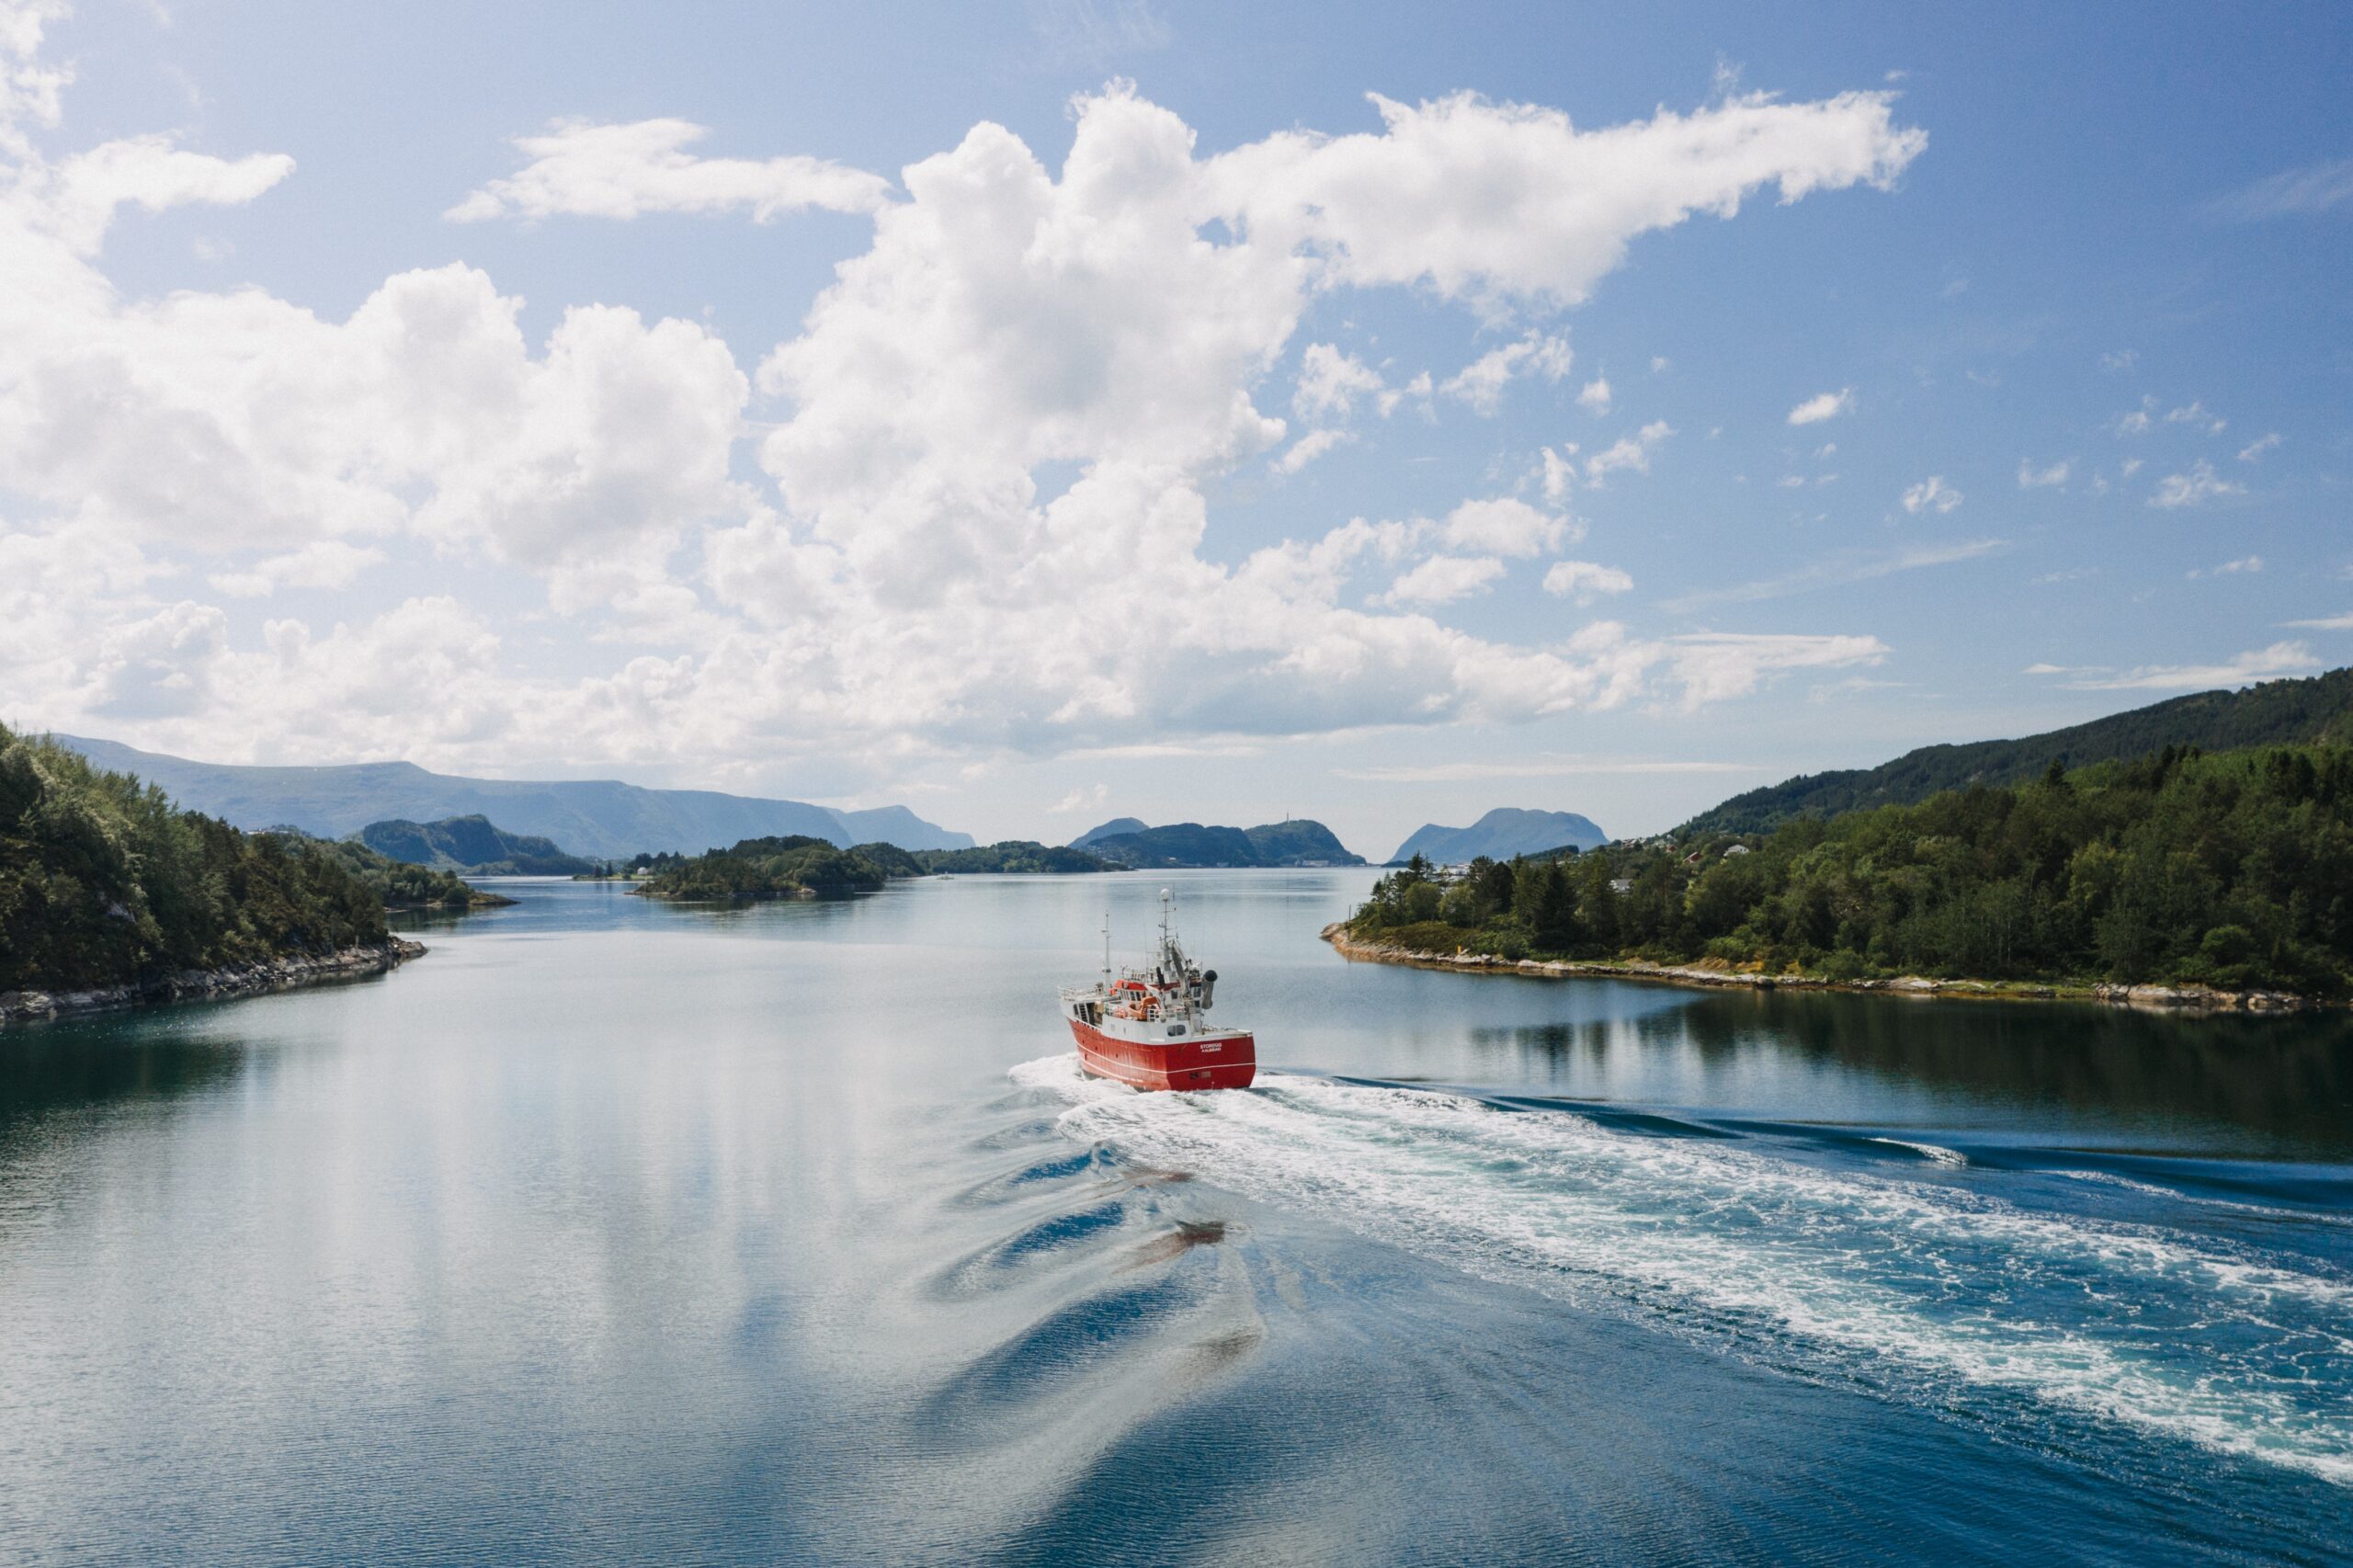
{"points": [[2232, 870], [104, 881]]}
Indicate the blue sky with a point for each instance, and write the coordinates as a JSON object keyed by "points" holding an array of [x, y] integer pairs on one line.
{"points": [[1017, 525]]}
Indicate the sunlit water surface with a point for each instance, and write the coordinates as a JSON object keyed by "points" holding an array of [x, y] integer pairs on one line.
{"points": [[611, 1231]]}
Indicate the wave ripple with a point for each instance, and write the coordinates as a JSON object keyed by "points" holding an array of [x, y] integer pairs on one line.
{"points": [[1918, 1290]]}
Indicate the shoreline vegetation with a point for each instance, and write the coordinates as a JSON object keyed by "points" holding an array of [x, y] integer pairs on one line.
{"points": [[111, 895], [800, 867], [1716, 974], [2186, 880]]}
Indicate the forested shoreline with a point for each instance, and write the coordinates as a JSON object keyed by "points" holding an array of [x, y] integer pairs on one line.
{"points": [[2231, 870], [104, 883]]}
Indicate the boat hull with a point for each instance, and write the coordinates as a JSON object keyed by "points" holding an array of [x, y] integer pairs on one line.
{"points": [[1221, 1061]]}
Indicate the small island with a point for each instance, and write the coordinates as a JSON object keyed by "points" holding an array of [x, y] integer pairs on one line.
{"points": [[796, 866], [1294, 841], [2186, 878]]}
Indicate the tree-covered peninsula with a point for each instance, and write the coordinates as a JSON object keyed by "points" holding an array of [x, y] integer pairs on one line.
{"points": [[407, 887], [104, 883], [800, 867], [2232, 871]]}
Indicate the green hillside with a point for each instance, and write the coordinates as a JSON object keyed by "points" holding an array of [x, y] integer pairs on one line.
{"points": [[2231, 870], [2279, 712], [1178, 844], [105, 881], [1298, 840], [1012, 855], [473, 845], [1191, 843]]}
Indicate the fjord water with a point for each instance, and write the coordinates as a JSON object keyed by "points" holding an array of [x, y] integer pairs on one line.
{"points": [[612, 1231]]}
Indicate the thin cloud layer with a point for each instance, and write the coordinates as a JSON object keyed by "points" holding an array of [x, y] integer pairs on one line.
{"points": [[625, 171]]}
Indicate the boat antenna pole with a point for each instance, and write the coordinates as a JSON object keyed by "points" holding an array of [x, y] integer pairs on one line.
{"points": [[1107, 946]]}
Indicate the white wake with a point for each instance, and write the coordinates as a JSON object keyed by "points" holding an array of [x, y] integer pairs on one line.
{"points": [[1909, 1286]]}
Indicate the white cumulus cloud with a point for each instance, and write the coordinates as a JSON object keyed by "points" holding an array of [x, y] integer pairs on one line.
{"points": [[1442, 579], [1330, 381], [1505, 526], [1584, 580], [895, 575]]}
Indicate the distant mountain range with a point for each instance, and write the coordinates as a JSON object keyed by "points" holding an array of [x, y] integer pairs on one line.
{"points": [[2277, 712], [596, 817], [1500, 834], [1297, 842], [472, 847]]}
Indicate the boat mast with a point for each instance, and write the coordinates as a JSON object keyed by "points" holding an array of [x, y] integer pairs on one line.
{"points": [[1107, 947]]}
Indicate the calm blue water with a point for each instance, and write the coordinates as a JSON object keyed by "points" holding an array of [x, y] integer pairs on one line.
{"points": [[615, 1231]]}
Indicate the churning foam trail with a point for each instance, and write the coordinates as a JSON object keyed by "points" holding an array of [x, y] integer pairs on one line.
{"points": [[1935, 1152], [1912, 1287]]}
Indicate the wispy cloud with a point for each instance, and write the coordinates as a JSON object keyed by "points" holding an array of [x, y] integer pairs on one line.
{"points": [[1628, 452], [1149, 750], [2195, 414], [2326, 623], [2193, 489], [1081, 799], [1481, 382], [1931, 495], [2253, 451], [1310, 447], [1838, 571], [2033, 477], [2315, 188], [1827, 405], [1095, 32], [1551, 766], [2243, 566], [1853, 686], [587, 170], [2258, 664]]}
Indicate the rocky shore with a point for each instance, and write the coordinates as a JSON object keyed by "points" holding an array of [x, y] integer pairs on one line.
{"points": [[199, 984], [2170, 998]]}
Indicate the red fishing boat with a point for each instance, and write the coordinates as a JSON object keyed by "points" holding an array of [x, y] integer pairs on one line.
{"points": [[1144, 1027]]}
